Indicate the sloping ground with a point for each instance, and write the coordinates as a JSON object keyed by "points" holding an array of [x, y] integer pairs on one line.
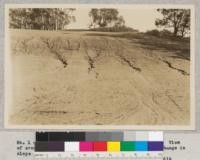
{"points": [[80, 78]]}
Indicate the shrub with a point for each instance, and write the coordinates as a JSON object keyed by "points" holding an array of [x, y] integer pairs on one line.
{"points": [[166, 33], [153, 32], [114, 29], [162, 34]]}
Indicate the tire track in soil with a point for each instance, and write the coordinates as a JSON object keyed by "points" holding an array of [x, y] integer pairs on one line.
{"points": [[124, 115], [167, 110]]}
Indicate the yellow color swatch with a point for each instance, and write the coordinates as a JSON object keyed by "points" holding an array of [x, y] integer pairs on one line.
{"points": [[113, 146]]}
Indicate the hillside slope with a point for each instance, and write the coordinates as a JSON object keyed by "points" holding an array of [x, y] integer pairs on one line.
{"points": [[94, 78]]}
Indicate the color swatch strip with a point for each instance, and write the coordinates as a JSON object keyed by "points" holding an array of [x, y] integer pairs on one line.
{"points": [[98, 141], [110, 146], [99, 136]]}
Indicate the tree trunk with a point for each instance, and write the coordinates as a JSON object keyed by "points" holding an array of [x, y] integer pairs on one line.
{"points": [[21, 25], [43, 22], [56, 24], [175, 31], [183, 32]]}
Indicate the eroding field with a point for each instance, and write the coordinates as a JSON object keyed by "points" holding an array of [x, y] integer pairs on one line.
{"points": [[98, 78]]}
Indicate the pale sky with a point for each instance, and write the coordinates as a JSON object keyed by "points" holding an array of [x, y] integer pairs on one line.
{"points": [[140, 19]]}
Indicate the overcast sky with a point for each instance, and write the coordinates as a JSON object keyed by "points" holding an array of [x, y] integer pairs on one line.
{"points": [[141, 19]]}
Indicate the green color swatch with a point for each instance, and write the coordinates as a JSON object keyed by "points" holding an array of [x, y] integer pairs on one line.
{"points": [[127, 146]]}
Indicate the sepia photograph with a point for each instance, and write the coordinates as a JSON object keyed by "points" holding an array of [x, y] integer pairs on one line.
{"points": [[99, 66]]}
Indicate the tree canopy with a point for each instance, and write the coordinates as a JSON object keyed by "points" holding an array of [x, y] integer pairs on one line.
{"points": [[40, 18], [177, 19], [104, 17]]}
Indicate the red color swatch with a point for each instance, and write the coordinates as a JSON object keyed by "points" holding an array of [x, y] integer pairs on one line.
{"points": [[99, 146]]}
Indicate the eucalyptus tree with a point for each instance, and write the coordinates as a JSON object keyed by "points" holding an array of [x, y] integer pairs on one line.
{"points": [[176, 19], [105, 17], [40, 18]]}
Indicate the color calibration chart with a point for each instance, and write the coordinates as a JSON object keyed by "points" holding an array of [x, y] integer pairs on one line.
{"points": [[141, 145]]}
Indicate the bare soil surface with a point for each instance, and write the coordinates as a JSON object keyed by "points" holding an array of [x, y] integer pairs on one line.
{"points": [[90, 78]]}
